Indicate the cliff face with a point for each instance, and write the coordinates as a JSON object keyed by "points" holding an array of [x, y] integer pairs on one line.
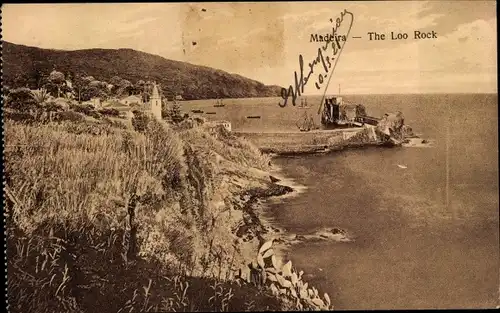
{"points": [[22, 65]]}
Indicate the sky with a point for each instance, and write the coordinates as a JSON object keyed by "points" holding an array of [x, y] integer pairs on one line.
{"points": [[263, 41]]}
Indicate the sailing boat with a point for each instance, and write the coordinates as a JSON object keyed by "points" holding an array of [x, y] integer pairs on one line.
{"points": [[303, 104], [306, 123], [219, 104]]}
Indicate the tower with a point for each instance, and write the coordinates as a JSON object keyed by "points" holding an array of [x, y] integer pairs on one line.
{"points": [[156, 102]]}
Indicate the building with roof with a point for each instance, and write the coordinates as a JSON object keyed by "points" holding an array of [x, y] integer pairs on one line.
{"points": [[128, 104], [131, 100], [212, 125]]}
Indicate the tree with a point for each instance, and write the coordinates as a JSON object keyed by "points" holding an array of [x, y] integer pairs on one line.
{"points": [[57, 78], [123, 87], [147, 90], [89, 92], [360, 110], [140, 121], [115, 80], [78, 84], [124, 83], [140, 83], [174, 114], [36, 76]]}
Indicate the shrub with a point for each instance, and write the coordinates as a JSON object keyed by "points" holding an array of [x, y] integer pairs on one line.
{"points": [[122, 195], [140, 120], [116, 124], [174, 114], [21, 100], [21, 117], [85, 109], [109, 112], [69, 116], [52, 106]]}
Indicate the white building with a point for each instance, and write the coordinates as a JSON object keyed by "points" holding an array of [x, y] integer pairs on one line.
{"points": [[154, 104], [213, 124]]}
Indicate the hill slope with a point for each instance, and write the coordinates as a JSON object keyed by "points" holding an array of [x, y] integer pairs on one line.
{"points": [[22, 64]]}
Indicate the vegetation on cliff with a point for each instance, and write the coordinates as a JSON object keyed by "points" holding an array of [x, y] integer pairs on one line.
{"points": [[105, 217], [25, 66]]}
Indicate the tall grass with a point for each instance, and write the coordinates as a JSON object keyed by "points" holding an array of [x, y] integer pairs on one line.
{"points": [[84, 205]]}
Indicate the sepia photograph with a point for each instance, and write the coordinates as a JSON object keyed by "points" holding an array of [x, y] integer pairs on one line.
{"points": [[250, 156]]}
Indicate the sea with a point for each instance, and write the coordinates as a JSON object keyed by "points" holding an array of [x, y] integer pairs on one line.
{"points": [[425, 220]]}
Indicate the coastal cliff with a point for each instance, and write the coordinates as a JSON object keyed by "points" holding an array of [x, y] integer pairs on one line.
{"points": [[160, 218]]}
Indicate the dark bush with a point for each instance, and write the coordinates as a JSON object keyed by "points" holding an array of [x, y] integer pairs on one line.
{"points": [[174, 114], [21, 100], [52, 106], [109, 112], [115, 124], [85, 109], [69, 116], [22, 117], [140, 121]]}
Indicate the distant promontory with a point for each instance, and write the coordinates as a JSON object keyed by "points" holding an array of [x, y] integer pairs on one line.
{"points": [[23, 66]]}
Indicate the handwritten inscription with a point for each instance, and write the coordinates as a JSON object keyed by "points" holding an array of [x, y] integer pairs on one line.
{"points": [[326, 62]]}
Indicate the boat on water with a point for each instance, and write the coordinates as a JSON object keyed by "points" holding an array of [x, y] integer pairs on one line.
{"points": [[219, 104], [306, 123], [253, 116], [210, 112], [303, 104], [197, 111]]}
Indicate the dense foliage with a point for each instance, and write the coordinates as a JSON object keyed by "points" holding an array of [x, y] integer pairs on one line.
{"points": [[126, 70]]}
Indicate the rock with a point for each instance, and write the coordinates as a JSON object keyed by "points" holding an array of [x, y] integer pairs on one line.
{"points": [[300, 237], [424, 141], [274, 179], [337, 231], [279, 240]]}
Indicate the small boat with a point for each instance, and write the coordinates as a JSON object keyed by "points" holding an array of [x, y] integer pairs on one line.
{"points": [[197, 111], [402, 166], [219, 104], [210, 112], [253, 116], [303, 104], [306, 123]]}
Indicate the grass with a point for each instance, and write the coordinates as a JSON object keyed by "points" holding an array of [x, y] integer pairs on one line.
{"points": [[103, 218]]}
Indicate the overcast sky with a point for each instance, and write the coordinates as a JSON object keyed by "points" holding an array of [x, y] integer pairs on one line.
{"points": [[263, 40]]}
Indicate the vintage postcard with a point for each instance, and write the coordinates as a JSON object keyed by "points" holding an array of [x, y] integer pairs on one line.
{"points": [[334, 155]]}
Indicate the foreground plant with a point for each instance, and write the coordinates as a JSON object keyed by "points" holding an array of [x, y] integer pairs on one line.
{"points": [[283, 280]]}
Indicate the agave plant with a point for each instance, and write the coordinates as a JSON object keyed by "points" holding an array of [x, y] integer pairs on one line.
{"points": [[284, 280], [40, 95]]}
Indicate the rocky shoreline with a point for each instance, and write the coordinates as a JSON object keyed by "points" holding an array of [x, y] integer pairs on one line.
{"points": [[253, 225]]}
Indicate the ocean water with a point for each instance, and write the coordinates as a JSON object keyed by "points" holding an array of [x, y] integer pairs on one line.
{"points": [[425, 237]]}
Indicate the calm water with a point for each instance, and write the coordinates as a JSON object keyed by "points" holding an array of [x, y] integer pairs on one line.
{"points": [[414, 248]]}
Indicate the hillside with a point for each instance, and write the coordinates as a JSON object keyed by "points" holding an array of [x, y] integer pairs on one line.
{"points": [[22, 65]]}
